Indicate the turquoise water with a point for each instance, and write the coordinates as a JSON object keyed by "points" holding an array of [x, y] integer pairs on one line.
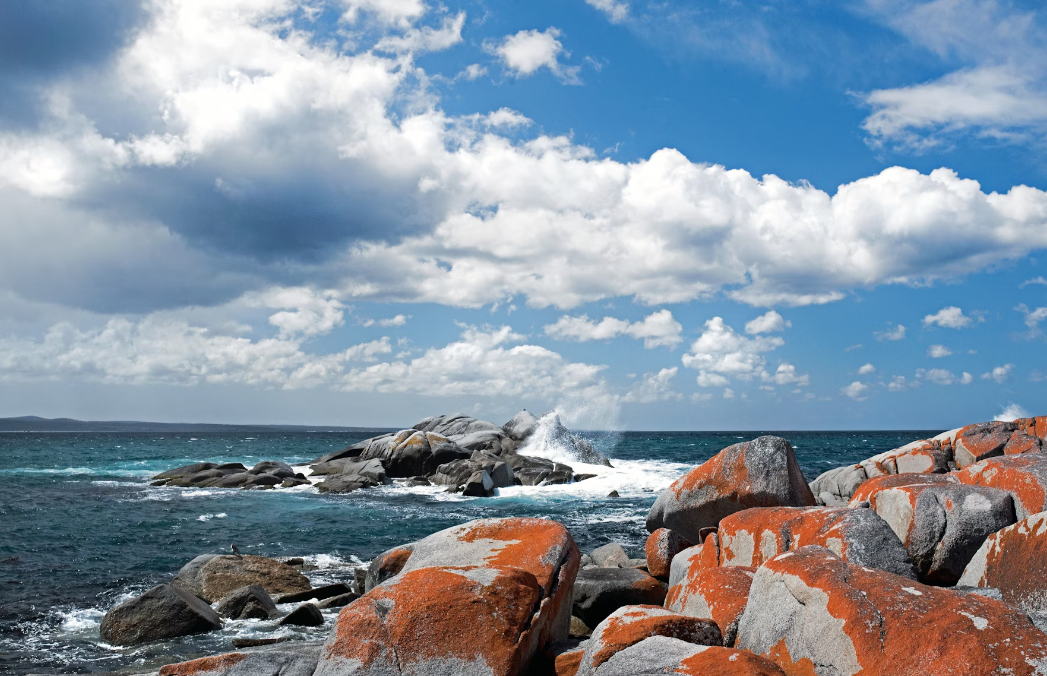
{"points": [[82, 529]]}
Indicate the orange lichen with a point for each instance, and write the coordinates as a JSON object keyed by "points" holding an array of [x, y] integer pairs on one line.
{"points": [[566, 664], [528, 544], [624, 629], [1023, 476], [872, 486], [779, 654], [723, 591], [661, 547], [204, 665], [728, 464], [1016, 563], [726, 662]]}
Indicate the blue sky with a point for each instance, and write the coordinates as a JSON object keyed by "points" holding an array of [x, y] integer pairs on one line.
{"points": [[648, 215]]}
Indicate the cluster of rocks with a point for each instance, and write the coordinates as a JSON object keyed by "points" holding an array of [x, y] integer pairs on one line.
{"points": [[467, 455]]}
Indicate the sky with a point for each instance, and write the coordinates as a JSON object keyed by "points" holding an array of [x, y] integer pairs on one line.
{"points": [[697, 215]]}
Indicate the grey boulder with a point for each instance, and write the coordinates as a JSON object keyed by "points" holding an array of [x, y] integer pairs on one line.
{"points": [[598, 592], [163, 612], [305, 615], [247, 603]]}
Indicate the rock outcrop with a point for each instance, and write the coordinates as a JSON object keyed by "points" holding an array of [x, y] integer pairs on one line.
{"points": [[660, 655], [163, 612], [247, 603], [758, 473], [1024, 477], [213, 577], [287, 659], [1014, 560], [718, 593], [809, 610], [266, 474]]}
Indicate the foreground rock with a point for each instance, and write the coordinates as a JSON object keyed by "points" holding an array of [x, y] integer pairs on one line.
{"points": [[758, 473], [247, 603], [163, 612], [809, 607], [294, 659], [661, 547], [943, 525], [629, 625], [213, 577], [1014, 560], [1024, 477], [598, 592], [660, 655], [857, 535], [718, 593], [478, 598]]}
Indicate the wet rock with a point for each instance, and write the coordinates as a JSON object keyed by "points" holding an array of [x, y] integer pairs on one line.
{"points": [[338, 601], [163, 612], [258, 642], [345, 483], [942, 526], [859, 535], [315, 594], [598, 592], [291, 659], [213, 577], [660, 655], [661, 547], [305, 615], [630, 625], [1024, 477], [247, 603], [809, 606], [273, 467], [718, 593], [1014, 561], [478, 485], [611, 555], [613, 494], [758, 473]]}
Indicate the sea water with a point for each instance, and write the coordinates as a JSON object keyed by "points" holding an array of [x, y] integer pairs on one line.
{"points": [[81, 529]]}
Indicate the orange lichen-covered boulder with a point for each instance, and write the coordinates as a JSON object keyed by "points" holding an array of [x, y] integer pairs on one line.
{"points": [[943, 525], [975, 443], [386, 565], [629, 625], [661, 655], [877, 484], [813, 613], [567, 663], [758, 473], [1023, 476], [857, 535], [717, 593], [693, 559], [1014, 560], [450, 620], [662, 546], [286, 659]]}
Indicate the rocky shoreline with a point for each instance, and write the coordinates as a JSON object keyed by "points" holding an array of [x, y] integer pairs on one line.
{"points": [[928, 559], [468, 456]]}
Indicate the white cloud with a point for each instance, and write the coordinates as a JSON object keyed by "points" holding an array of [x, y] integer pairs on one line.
{"points": [[767, 323], [313, 314], [899, 383], [866, 370], [711, 379], [897, 333], [1035, 280], [966, 378], [472, 72], [728, 393], [950, 317], [399, 12], [1032, 317], [656, 330], [616, 11], [654, 387], [1000, 373], [719, 350], [786, 375], [529, 50], [398, 320], [938, 351], [855, 390], [426, 38], [944, 377], [1011, 413]]}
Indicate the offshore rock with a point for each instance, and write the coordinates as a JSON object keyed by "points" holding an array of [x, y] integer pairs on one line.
{"points": [[305, 615], [412, 453], [213, 577], [247, 603], [162, 612], [758, 473]]}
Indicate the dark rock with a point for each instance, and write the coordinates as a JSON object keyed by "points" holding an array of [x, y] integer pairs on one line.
{"points": [[338, 601], [359, 580], [386, 565], [613, 494], [273, 467], [345, 483], [598, 592], [256, 642], [287, 659], [186, 470], [213, 577], [611, 555], [479, 485], [411, 452], [353, 451], [294, 561], [583, 477], [305, 615], [316, 593], [247, 603], [162, 612]]}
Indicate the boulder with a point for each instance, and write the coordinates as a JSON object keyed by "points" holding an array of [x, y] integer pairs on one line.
{"points": [[877, 484], [1024, 477], [693, 559], [860, 536], [163, 612], [315, 594], [295, 659], [926, 456], [835, 487], [345, 483], [338, 601], [611, 555], [247, 603], [441, 620], [522, 425], [717, 593], [1034, 427], [412, 452], [352, 451], [386, 565], [273, 467], [660, 655], [975, 443], [662, 545], [469, 433], [305, 615], [629, 625], [1014, 561], [811, 612], [213, 577], [478, 485], [1021, 443], [942, 526], [568, 661], [758, 473], [598, 592], [352, 475], [501, 472]]}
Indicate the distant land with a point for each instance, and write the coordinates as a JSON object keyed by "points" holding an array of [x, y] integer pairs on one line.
{"points": [[32, 423]]}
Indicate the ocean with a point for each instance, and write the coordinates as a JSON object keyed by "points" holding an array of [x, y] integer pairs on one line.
{"points": [[82, 529]]}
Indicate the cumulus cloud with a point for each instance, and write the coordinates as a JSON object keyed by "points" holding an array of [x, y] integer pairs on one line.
{"points": [[654, 387], [938, 351], [855, 390], [950, 317], [767, 323], [526, 52], [1033, 317], [786, 375], [944, 377], [656, 330], [398, 320], [866, 370], [896, 333], [1000, 374], [1035, 280], [1011, 412], [899, 383], [720, 353], [616, 11]]}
